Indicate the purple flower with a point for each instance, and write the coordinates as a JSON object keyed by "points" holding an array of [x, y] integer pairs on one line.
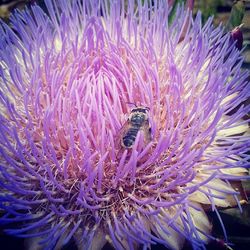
{"points": [[69, 81]]}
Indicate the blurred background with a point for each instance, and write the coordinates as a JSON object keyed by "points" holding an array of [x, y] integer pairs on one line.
{"points": [[231, 14]]}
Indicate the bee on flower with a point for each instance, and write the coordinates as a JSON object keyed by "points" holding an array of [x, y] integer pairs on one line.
{"points": [[66, 74], [138, 121]]}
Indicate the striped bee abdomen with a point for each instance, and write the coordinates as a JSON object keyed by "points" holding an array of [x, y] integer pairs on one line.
{"points": [[129, 138]]}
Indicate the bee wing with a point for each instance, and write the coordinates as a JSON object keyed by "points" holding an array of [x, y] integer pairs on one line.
{"points": [[121, 132], [146, 128]]}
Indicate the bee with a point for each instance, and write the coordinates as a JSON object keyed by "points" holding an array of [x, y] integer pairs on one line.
{"points": [[138, 121]]}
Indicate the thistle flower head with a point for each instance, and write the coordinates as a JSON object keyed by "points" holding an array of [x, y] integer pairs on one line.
{"points": [[68, 78]]}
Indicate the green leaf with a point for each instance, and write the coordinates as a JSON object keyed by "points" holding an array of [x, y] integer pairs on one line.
{"points": [[236, 15], [208, 8]]}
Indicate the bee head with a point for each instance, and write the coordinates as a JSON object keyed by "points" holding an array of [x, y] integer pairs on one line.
{"points": [[140, 109], [138, 115]]}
